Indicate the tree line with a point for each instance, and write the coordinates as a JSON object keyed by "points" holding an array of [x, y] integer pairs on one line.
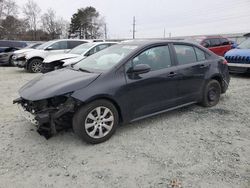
{"points": [[37, 26]]}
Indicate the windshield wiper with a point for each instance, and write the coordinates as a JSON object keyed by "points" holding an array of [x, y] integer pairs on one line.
{"points": [[84, 70]]}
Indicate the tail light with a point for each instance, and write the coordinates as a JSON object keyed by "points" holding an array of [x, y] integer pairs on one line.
{"points": [[224, 62]]}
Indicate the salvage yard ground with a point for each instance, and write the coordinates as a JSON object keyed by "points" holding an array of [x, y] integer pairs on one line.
{"points": [[200, 147]]}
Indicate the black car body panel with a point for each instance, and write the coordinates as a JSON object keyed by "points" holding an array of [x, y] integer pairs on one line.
{"points": [[135, 95]]}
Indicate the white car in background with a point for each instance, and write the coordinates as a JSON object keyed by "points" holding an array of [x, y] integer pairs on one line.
{"points": [[75, 55], [33, 58]]}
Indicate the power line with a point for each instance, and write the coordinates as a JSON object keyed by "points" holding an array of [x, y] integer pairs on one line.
{"points": [[134, 27]]}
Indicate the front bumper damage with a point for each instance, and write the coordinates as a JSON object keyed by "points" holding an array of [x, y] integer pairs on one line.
{"points": [[49, 116], [20, 62]]}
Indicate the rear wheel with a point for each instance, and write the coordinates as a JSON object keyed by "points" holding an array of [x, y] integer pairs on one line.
{"points": [[211, 93], [96, 122], [35, 66]]}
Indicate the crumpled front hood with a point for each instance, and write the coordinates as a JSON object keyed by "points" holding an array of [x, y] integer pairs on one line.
{"points": [[238, 52], [59, 57], [56, 83], [73, 60]]}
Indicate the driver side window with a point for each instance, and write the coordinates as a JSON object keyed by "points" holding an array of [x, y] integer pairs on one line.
{"points": [[156, 58]]}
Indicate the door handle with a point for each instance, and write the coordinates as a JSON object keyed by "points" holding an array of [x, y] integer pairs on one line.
{"points": [[172, 74]]}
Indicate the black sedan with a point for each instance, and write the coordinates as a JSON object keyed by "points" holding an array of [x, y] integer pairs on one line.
{"points": [[121, 84]]}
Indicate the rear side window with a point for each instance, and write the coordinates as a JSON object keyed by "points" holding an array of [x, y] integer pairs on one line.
{"points": [[200, 54], [224, 41], [185, 54], [73, 44], [215, 42]]}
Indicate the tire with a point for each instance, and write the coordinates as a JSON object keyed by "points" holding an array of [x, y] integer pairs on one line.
{"points": [[87, 125], [35, 66], [211, 94]]}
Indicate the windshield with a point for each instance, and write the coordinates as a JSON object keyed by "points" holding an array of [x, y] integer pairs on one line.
{"points": [[81, 48], [44, 45], [107, 58], [245, 44], [34, 45]]}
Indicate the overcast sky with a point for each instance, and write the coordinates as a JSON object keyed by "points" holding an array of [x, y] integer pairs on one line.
{"points": [[178, 17]]}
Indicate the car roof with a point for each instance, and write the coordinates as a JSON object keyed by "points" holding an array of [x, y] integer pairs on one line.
{"points": [[149, 42], [70, 40], [97, 43]]}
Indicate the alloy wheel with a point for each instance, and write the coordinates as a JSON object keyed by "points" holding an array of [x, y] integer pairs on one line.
{"points": [[36, 66], [99, 122]]}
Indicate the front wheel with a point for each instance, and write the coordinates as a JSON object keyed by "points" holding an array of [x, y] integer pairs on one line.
{"points": [[211, 93], [35, 66], [96, 122]]}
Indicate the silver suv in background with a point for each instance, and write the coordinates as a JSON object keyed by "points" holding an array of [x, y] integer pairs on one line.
{"points": [[32, 59]]}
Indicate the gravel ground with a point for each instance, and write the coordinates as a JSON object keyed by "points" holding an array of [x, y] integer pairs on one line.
{"points": [[198, 147]]}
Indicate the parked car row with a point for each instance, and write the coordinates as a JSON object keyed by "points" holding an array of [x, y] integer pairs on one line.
{"points": [[238, 56], [217, 44], [123, 83], [31, 59], [78, 53], [56, 54]]}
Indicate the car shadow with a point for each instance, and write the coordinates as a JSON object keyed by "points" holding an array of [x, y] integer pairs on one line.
{"points": [[156, 118]]}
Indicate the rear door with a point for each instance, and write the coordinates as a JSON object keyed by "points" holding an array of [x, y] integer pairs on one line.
{"points": [[192, 67]]}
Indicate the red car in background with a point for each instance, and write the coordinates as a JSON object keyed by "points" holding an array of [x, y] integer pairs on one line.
{"points": [[217, 44]]}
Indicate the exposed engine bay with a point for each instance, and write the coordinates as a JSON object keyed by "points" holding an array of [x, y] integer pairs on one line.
{"points": [[49, 115]]}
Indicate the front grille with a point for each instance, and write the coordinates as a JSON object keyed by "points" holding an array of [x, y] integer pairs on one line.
{"points": [[238, 59]]}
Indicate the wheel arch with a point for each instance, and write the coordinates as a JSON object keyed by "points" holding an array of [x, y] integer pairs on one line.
{"points": [[222, 83], [29, 60], [108, 98]]}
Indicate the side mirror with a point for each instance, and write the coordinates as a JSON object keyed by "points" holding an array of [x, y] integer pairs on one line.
{"points": [[139, 69], [49, 48]]}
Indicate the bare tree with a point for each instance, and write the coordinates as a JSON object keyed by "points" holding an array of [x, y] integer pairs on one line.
{"points": [[2, 2], [64, 27], [10, 8], [50, 24], [32, 11]]}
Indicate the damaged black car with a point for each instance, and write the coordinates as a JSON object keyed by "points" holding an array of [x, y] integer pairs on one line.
{"points": [[122, 84]]}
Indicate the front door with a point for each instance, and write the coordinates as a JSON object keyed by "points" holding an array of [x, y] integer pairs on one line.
{"points": [[155, 90]]}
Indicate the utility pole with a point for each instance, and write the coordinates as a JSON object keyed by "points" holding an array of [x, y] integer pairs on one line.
{"points": [[164, 33], [170, 35], [134, 27], [105, 31]]}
